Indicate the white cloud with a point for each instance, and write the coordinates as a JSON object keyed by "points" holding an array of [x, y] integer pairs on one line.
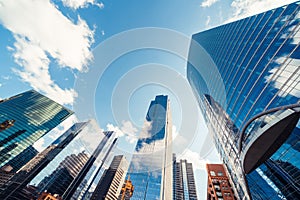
{"points": [[208, 3], [117, 130], [42, 32], [207, 22], [75, 4], [246, 8], [194, 158], [127, 129], [147, 126]]}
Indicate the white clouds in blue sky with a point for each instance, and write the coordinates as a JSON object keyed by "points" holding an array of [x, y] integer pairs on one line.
{"points": [[246, 8], [208, 3], [44, 35], [75, 4]]}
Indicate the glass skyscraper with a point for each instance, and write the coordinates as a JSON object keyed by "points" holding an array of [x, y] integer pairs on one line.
{"points": [[71, 172], [238, 72], [150, 169], [16, 184], [24, 119]]}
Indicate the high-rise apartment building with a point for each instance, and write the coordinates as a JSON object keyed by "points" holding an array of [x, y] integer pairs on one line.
{"points": [[110, 184], [183, 180], [24, 119], [246, 78], [218, 183], [150, 169]]}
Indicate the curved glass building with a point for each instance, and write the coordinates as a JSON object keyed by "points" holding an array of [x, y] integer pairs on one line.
{"points": [[239, 72]]}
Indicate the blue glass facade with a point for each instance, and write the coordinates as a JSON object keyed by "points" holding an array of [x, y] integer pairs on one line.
{"points": [[150, 169], [24, 119], [257, 62]]}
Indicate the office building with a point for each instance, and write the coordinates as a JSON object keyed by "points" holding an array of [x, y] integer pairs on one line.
{"points": [[87, 175], [110, 184], [58, 181], [24, 119], [242, 74], [67, 160], [19, 180], [183, 180], [150, 169], [218, 184]]}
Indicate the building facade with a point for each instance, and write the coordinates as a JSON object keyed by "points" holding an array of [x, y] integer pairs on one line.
{"points": [[72, 157], [150, 169], [60, 179], [23, 176], [110, 184], [218, 183], [24, 119], [87, 175], [183, 180], [241, 73]]}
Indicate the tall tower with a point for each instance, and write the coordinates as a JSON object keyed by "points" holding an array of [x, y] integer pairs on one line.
{"points": [[150, 169], [24, 119], [245, 76], [183, 180], [20, 179], [110, 184]]}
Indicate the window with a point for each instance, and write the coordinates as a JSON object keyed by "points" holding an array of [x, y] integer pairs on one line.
{"points": [[219, 194], [212, 173], [227, 194], [220, 173]]}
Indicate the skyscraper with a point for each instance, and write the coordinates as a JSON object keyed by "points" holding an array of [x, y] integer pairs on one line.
{"points": [[105, 142], [40, 161], [81, 149], [183, 180], [242, 74], [218, 186], [24, 119], [110, 184], [60, 179], [150, 169]]}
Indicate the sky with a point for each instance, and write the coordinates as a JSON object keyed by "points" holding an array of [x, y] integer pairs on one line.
{"points": [[108, 59]]}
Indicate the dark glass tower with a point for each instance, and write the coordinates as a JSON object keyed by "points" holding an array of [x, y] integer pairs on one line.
{"points": [[183, 180], [24, 119], [238, 71], [150, 169]]}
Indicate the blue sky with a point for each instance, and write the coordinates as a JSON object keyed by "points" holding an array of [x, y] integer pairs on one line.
{"points": [[55, 46]]}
